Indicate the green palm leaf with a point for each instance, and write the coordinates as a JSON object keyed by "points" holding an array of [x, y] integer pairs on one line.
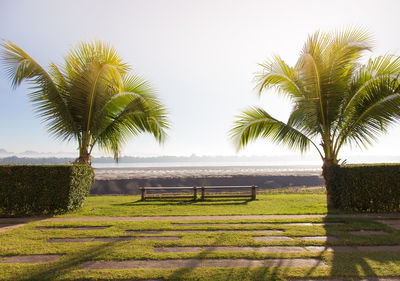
{"points": [[335, 98], [255, 123], [91, 98]]}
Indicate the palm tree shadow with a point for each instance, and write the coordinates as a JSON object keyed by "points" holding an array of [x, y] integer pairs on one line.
{"points": [[70, 262], [345, 263], [176, 202], [230, 273]]}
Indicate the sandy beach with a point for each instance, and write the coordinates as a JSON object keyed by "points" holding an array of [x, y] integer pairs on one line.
{"points": [[128, 180]]}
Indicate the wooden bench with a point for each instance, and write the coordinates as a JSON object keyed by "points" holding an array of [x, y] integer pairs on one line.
{"points": [[228, 192], [161, 194], [206, 192]]}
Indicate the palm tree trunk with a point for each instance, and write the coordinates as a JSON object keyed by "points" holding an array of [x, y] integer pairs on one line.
{"points": [[327, 164], [84, 157]]}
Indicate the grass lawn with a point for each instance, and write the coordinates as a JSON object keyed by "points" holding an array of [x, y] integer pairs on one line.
{"points": [[289, 201], [35, 239]]}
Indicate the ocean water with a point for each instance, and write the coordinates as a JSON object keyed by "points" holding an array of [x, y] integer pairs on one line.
{"points": [[210, 168]]}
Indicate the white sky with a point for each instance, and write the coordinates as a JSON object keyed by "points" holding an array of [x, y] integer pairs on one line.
{"points": [[200, 55]]}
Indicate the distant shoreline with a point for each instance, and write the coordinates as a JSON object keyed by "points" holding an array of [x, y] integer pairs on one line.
{"points": [[128, 180], [205, 171]]}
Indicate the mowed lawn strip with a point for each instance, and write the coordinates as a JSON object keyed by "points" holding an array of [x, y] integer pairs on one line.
{"points": [[302, 201], [32, 240]]}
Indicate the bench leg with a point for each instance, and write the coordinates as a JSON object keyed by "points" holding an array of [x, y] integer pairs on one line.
{"points": [[143, 194], [194, 193], [253, 192], [202, 193]]}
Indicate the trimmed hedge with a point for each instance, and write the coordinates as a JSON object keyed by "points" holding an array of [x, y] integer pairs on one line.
{"points": [[365, 188], [45, 189]]}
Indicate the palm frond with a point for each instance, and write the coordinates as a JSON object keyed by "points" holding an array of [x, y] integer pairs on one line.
{"points": [[374, 111], [46, 97], [278, 75], [130, 113], [255, 123]]}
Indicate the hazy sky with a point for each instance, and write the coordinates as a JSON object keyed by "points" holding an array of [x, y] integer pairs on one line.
{"points": [[200, 55]]}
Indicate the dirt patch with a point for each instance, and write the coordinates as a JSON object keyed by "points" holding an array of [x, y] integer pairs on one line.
{"points": [[31, 259], [117, 184]]}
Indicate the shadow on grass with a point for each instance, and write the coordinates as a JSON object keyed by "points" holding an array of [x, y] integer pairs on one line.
{"points": [[345, 264], [227, 273], [177, 202], [67, 263]]}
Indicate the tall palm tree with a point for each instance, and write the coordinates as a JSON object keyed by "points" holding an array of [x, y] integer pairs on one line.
{"points": [[336, 100], [92, 98]]}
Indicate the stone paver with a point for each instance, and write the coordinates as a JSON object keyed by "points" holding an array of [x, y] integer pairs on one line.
{"points": [[280, 249], [222, 224], [207, 218], [232, 262], [272, 238], [69, 240], [178, 249], [368, 232], [195, 263], [318, 238], [7, 227], [295, 262], [72, 228], [18, 222], [392, 223], [159, 238], [276, 225], [204, 218], [144, 231], [203, 230], [113, 239], [354, 279], [393, 248], [186, 263], [30, 259], [272, 249]]}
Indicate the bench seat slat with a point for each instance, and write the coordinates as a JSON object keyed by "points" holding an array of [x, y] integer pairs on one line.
{"points": [[228, 192]]}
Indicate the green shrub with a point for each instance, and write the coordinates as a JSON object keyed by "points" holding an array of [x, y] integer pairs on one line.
{"points": [[47, 189], [366, 188]]}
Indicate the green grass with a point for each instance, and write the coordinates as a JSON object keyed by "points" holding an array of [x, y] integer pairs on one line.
{"points": [[29, 240], [275, 202]]}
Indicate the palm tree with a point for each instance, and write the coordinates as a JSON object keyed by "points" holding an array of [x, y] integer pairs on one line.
{"points": [[336, 100], [91, 98]]}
